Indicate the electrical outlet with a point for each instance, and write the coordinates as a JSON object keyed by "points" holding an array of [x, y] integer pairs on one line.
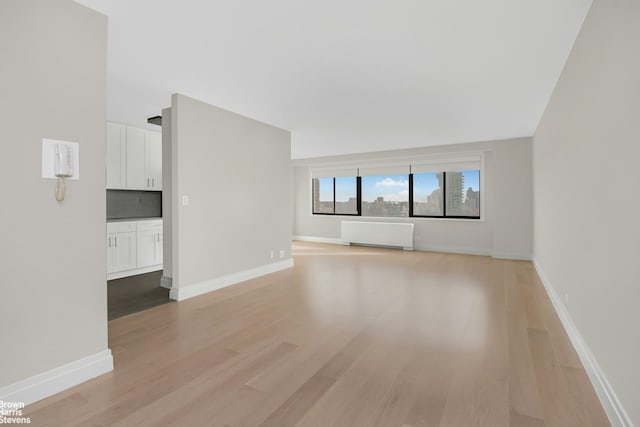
{"points": [[281, 254], [272, 254]]}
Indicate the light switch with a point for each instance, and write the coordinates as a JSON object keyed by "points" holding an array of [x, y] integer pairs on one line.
{"points": [[185, 200]]}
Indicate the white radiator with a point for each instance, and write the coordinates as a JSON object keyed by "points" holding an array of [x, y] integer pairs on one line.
{"points": [[378, 233]]}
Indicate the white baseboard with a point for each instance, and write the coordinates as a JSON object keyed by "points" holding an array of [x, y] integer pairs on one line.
{"points": [[166, 282], [134, 272], [190, 291], [417, 247], [56, 380], [331, 240], [429, 248], [516, 257], [610, 402], [452, 250]]}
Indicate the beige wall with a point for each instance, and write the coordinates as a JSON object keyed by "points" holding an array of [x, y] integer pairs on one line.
{"points": [[53, 305], [587, 230], [237, 174], [167, 195], [505, 230]]}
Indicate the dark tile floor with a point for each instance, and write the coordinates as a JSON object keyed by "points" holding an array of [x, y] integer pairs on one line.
{"points": [[136, 293]]}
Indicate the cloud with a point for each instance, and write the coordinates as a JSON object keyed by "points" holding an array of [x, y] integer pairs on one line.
{"points": [[401, 196], [390, 182]]}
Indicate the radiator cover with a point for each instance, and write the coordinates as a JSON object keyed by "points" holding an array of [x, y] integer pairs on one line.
{"points": [[378, 234]]}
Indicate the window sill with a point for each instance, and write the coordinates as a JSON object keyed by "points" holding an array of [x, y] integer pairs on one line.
{"points": [[397, 218]]}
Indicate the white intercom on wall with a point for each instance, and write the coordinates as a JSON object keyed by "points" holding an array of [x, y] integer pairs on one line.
{"points": [[60, 161]]}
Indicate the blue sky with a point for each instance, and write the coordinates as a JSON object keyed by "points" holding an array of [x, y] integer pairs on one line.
{"points": [[425, 183], [391, 187]]}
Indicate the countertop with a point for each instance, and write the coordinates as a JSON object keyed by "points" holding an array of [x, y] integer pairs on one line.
{"points": [[134, 219]]}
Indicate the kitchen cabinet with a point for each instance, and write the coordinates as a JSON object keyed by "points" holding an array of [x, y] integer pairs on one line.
{"points": [[121, 247], [153, 160], [136, 154], [116, 156], [134, 158], [149, 243], [134, 247]]}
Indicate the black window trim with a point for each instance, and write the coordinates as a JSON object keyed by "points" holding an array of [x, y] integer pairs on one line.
{"points": [[358, 200], [444, 202], [411, 214]]}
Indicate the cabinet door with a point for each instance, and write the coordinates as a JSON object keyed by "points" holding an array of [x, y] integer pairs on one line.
{"points": [[110, 250], [123, 255], [159, 249], [116, 156], [154, 160], [148, 243], [136, 173]]}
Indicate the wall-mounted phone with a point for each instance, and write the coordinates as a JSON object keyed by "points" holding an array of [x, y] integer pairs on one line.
{"points": [[60, 161]]}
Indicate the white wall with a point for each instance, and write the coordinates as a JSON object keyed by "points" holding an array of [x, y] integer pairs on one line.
{"points": [[587, 229], [167, 197], [504, 231], [237, 174], [53, 292]]}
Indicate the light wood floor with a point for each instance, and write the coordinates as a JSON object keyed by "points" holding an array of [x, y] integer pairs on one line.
{"points": [[349, 337]]}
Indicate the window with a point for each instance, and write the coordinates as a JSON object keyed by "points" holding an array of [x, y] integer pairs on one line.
{"points": [[336, 196], [427, 194], [447, 189], [323, 196], [461, 191], [346, 189], [463, 194], [385, 195]]}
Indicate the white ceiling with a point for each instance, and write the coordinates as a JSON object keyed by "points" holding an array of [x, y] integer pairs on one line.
{"points": [[345, 76]]}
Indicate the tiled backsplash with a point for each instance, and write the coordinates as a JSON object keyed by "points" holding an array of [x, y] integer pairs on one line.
{"points": [[124, 204]]}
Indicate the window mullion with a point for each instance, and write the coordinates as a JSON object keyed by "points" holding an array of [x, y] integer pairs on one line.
{"points": [[444, 194], [359, 195], [334, 195], [410, 195]]}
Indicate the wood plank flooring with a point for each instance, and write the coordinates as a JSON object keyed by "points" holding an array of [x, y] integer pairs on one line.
{"points": [[351, 336]]}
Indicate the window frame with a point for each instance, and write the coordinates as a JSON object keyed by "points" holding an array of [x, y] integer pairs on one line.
{"points": [[479, 217], [444, 200], [358, 199], [386, 217]]}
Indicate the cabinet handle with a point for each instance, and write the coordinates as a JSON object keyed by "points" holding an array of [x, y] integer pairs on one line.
{"points": [[153, 182], [147, 182], [109, 244], [116, 239]]}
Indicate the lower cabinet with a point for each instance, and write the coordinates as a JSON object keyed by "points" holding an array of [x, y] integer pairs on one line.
{"points": [[133, 247], [149, 245], [121, 252]]}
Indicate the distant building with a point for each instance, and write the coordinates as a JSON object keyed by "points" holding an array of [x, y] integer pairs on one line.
{"points": [[455, 194], [349, 207], [472, 203], [318, 205], [316, 193]]}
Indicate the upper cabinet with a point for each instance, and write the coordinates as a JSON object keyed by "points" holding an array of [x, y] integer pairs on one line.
{"points": [[134, 158], [116, 156], [136, 154], [153, 160]]}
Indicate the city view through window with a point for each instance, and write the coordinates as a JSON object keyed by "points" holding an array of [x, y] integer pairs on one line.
{"points": [[385, 195], [388, 195], [462, 194]]}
